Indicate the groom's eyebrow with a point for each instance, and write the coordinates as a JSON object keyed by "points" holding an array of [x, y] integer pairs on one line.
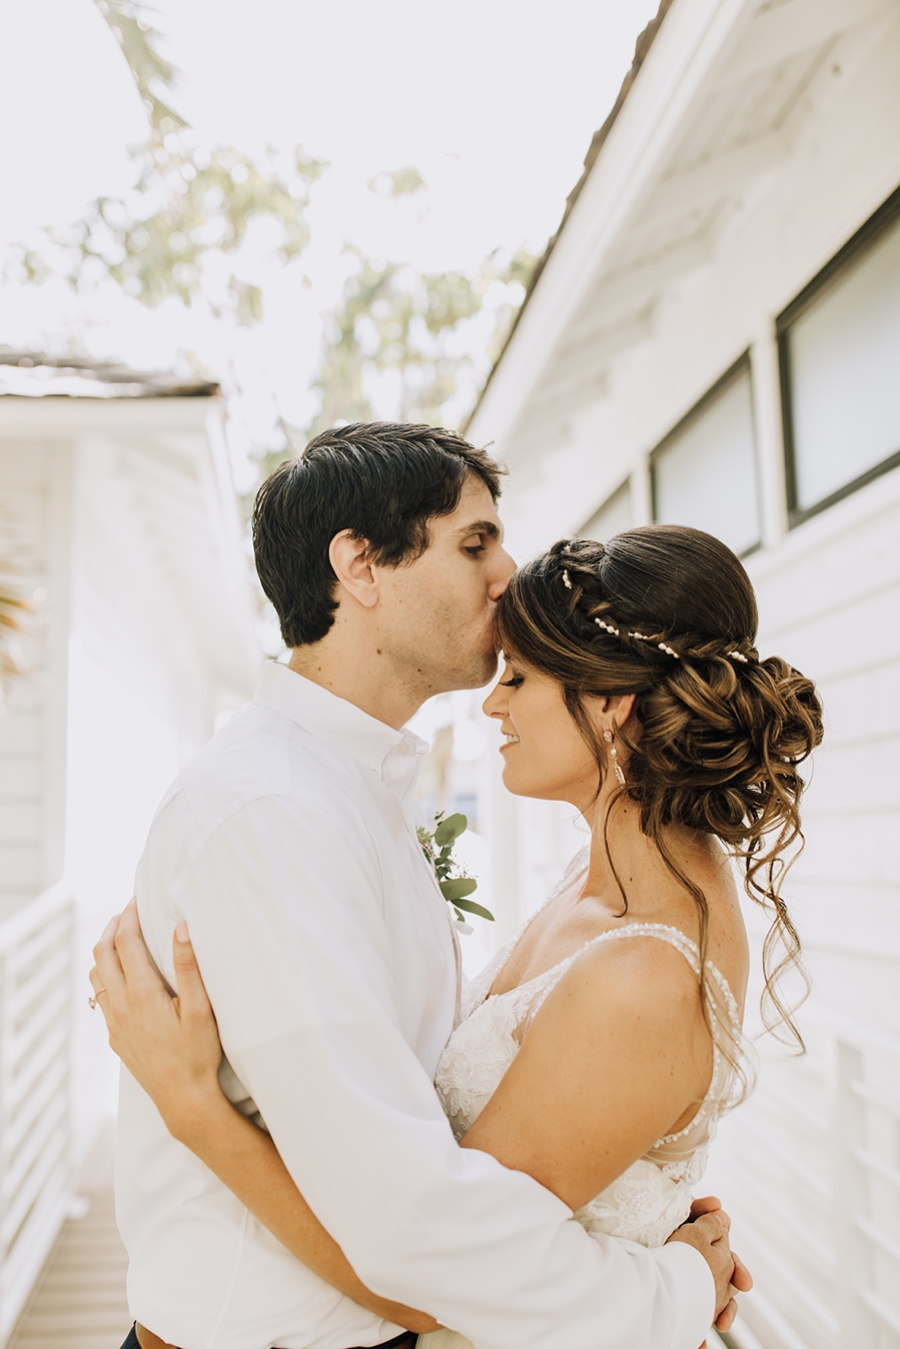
{"points": [[489, 527]]}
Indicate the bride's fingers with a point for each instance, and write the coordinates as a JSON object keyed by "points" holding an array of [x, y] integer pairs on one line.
{"points": [[107, 964], [131, 948], [193, 1001]]}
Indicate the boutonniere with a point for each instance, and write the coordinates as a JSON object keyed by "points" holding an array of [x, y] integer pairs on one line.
{"points": [[456, 885]]}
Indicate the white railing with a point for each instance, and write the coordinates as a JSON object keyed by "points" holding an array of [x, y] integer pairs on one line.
{"points": [[36, 969], [867, 1191], [848, 1227]]}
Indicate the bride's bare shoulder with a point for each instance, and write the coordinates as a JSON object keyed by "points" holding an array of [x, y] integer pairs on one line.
{"points": [[632, 978]]}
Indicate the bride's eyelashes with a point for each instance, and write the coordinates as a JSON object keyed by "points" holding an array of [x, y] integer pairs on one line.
{"points": [[513, 682]]}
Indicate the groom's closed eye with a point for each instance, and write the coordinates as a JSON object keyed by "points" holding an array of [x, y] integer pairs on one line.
{"points": [[482, 530]]}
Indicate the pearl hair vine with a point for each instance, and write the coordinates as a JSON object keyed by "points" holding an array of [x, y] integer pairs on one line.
{"points": [[642, 637], [638, 637]]}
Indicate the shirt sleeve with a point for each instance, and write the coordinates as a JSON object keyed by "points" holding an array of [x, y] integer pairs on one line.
{"points": [[286, 919]]}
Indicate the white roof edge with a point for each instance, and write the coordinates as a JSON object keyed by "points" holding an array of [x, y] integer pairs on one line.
{"points": [[85, 414], [690, 39]]}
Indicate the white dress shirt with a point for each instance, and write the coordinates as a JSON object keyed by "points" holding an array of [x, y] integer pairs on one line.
{"points": [[327, 950]]}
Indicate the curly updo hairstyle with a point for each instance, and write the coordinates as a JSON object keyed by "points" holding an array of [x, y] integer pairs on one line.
{"points": [[668, 613]]}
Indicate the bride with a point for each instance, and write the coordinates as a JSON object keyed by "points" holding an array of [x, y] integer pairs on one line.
{"points": [[598, 1050]]}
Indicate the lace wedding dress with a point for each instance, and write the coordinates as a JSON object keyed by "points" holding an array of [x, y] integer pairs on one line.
{"points": [[651, 1198]]}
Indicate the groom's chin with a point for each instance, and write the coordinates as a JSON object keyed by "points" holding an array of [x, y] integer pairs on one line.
{"points": [[484, 673]]}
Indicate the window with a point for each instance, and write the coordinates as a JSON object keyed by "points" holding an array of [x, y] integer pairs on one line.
{"points": [[612, 517], [840, 369], [704, 472]]}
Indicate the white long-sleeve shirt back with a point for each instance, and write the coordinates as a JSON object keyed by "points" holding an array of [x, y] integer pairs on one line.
{"points": [[289, 846]]}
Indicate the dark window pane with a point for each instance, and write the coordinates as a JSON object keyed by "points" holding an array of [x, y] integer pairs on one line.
{"points": [[845, 376], [704, 475]]}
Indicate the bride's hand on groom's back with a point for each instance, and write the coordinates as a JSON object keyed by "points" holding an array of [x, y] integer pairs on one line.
{"points": [[169, 1044], [707, 1231]]}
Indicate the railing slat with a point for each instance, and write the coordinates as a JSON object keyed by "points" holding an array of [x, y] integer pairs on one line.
{"points": [[22, 1084], [16, 1173], [54, 1082], [884, 1313], [23, 1041], [875, 1164], [36, 969], [17, 1210], [879, 1238]]}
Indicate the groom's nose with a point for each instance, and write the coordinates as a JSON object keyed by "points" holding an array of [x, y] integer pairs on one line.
{"points": [[501, 573]]}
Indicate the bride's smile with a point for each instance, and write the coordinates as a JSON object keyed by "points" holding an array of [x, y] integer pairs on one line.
{"points": [[545, 755]]}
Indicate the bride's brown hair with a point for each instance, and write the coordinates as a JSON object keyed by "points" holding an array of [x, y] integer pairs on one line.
{"points": [[668, 613]]}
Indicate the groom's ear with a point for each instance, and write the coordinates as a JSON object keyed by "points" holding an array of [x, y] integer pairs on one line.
{"points": [[351, 561]]}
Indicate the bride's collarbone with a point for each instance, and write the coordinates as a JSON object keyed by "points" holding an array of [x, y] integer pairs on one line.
{"points": [[566, 926], [555, 935]]}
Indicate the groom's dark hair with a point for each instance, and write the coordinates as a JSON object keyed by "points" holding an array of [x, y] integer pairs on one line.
{"points": [[382, 480]]}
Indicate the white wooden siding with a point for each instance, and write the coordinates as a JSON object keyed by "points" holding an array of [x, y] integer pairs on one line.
{"points": [[805, 1207], [756, 140]]}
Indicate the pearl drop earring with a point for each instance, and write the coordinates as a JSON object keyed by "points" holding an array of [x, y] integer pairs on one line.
{"points": [[614, 755]]}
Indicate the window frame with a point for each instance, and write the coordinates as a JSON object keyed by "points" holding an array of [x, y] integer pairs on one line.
{"points": [[743, 365], [626, 483], [857, 245]]}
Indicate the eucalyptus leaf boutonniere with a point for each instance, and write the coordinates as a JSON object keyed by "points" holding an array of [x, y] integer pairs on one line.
{"points": [[456, 886]]}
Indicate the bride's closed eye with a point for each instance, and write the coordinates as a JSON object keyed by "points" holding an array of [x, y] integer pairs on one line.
{"points": [[513, 682]]}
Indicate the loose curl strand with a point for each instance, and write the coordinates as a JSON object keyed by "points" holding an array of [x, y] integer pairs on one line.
{"points": [[720, 733]]}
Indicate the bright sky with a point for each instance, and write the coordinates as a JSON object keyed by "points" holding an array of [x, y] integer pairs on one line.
{"points": [[495, 102]]}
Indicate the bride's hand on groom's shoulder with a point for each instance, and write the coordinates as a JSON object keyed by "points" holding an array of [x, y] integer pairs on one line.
{"points": [[169, 1043], [707, 1230]]}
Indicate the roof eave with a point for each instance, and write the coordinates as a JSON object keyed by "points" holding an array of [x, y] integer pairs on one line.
{"points": [[642, 47]]}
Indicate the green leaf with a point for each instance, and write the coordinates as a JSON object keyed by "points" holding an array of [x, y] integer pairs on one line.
{"points": [[471, 907], [457, 887], [449, 830]]}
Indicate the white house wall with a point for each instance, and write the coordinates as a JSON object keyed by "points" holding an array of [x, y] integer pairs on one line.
{"points": [[140, 702], [809, 1166], [129, 522]]}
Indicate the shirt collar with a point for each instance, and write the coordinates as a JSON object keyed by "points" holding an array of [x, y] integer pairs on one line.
{"points": [[394, 755]]}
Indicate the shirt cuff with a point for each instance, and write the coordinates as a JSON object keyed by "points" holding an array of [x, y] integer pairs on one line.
{"points": [[693, 1292]]}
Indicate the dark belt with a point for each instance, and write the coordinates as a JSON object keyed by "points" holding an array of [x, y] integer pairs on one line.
{"points": [[150, 1341]]}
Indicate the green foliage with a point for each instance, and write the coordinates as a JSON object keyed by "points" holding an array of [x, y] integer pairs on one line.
{"points": [[190, 206], [449, 830], [438, 848], [17, 615], [152, 73], [405, 182], [186, 204], [392, 318], [14, 608]]}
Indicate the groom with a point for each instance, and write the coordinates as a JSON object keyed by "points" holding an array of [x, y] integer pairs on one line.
{"points": [[331, 959]]}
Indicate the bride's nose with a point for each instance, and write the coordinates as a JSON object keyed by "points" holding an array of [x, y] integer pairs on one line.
{"points": [[495, 704]]}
